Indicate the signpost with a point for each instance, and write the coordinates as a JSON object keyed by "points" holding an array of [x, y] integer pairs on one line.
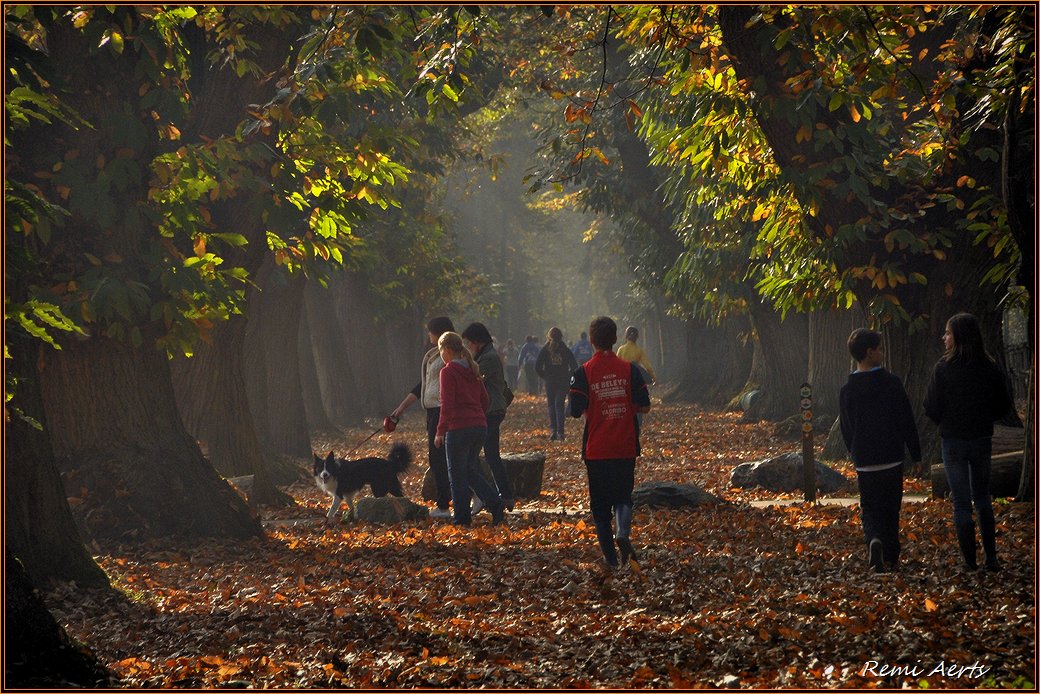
{"points": [[808, 462]]}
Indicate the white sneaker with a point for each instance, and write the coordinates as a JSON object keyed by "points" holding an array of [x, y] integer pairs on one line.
{"points": [[477, 506], [440, 513]]}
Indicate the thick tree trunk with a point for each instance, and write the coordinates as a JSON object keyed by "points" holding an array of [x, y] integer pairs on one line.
{"points": [[211, 397], [39, 528], [38, 654], [310, 387], [331, 352], [716, 364], [123, 449], [829, 359], [271, 362], [780, 363], [1026, 491]]}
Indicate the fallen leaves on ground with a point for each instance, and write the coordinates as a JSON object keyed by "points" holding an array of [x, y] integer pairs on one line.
{"points": [[729, 595]]}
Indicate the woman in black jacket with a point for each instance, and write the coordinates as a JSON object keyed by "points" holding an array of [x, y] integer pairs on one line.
{"points": [[555, 365], [966, 394]]}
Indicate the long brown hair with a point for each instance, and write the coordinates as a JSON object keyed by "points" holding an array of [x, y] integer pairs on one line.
{"points": [[967, 340], [453, 341]]}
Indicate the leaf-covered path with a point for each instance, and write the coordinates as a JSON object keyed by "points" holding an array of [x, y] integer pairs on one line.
{"points": [[728, 595]]}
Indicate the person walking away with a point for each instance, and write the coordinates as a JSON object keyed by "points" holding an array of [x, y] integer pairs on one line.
{"points": [[526, 361], [966, 393], [582, 349], [428, 393], [511, 357], [477, 340], [634, 354], [609, 392], [878, 426], [462, 429], [554, 365]]}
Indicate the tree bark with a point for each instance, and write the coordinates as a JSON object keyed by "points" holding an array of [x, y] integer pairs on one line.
{"points": [[829, 358], [780, 363], [272, 362], [125, 453], [212, 400], [38, 654], [310, 387], [39, 528], [1026, 491], [332, 351]]}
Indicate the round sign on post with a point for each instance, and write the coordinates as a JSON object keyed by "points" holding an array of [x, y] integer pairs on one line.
{"points": [[806, 391], [806, 403], [807, 427]]}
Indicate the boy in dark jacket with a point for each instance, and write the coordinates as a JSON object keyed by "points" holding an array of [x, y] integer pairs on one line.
{"points": [[878, 425]]}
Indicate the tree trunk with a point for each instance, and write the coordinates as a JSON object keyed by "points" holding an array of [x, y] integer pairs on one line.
{"points": [[39, 528], [124, 452], [780, 364], [1025, 485], [331, 352], [310, 387], [38, 654], [829, 358], [716, 362], [272, 362], [211, 396]]}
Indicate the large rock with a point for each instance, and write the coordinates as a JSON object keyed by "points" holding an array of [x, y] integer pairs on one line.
{"points": [[388, 510], [784, 474], [524, 470], [671, 494]]}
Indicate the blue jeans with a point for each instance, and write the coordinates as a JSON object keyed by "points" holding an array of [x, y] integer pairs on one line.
{"points": [[493, 454], [967, 464], [462, 447], [556, 395]]}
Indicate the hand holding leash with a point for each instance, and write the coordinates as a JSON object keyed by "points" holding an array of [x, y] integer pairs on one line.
{"points": [[390, 423]]}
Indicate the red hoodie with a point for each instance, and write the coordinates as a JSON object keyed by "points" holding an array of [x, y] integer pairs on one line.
{"points": [[464, 400]]}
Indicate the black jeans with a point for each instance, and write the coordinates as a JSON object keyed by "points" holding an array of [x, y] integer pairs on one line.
{"points": [[880, 497], [610, 487], [438, 459]]}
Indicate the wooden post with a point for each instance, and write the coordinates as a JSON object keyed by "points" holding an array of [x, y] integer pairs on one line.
{"points": [[808, 461]]}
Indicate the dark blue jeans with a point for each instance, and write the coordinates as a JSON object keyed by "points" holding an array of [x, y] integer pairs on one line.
{"points": [[556, 396], [967, 464], [880, 497], [462, 447], [610, 494], [493, 454]]}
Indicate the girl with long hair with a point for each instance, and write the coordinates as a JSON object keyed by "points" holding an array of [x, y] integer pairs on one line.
{"points": [[966, 394]]}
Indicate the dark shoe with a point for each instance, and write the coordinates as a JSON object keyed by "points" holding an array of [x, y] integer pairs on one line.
{"points": [[627, 550], [498, 515], [875, 556], [993, 565]]}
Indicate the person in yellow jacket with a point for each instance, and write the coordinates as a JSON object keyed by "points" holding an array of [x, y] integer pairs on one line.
{"points": [[633, 353]]}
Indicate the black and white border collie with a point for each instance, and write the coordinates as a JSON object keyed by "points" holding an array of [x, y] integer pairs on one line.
{"points": [[343, 479]]}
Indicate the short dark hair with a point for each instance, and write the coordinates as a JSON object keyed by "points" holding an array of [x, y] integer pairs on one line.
{"points": [[440, 325], [632, 333], [477, 332], [603, 332], [862, 340]]}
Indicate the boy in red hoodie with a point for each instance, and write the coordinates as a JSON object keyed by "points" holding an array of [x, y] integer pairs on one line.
{"points": [[609, 391]]}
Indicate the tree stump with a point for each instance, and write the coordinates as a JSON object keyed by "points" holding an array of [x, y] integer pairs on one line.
{"points": [[524, 469], [1004, 476]]}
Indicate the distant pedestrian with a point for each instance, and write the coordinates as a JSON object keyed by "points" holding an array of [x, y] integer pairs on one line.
{"points": [[582, 349], [462, 429], [428, 392], [966, 394], [526, 361], [634, 354], [510, 356], [609, 392], [878, 426], [554, 366], [478, 341]]}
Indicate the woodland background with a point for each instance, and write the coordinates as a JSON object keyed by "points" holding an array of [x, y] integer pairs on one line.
{"points": [[225, 227]]}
